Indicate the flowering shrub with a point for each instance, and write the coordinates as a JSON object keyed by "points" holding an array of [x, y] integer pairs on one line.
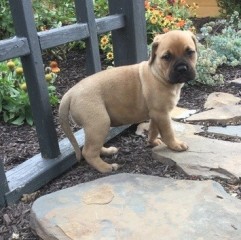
{"points": [[14, 101], [161, 16], [222, 47]]}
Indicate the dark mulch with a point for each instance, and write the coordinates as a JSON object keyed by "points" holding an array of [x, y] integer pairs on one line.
{"points": [[20, 143]]}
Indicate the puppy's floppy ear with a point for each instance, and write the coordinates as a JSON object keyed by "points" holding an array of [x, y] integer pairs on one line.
{"points": [[194, 39], [154, 47]]}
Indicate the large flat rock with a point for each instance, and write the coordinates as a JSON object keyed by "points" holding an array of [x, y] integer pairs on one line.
{"points": [[220, 99], [205, 157], [224, 114], [138, 207]]}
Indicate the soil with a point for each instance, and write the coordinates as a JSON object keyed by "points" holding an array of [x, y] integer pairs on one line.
{"points": [[18, 143]]}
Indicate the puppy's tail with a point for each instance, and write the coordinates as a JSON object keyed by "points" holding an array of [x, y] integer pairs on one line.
{"points": [[64, 122]]}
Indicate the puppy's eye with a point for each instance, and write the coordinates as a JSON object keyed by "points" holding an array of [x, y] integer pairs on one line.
{"points": [[167, 57], [190, 52]]}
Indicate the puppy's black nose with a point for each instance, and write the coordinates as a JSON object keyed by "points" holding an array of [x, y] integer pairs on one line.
{"points": [[182, 68]]}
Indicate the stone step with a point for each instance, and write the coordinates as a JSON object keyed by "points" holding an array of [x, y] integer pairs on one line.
{"points": [[138, 207], [205, 157]]}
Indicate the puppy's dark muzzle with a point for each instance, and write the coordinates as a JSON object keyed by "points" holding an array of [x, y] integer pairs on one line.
{"points": [[182, 72], [182, 68]]}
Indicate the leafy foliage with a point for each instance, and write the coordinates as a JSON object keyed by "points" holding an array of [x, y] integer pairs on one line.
{"points": [[14, 101], [227, 7], [218, 48]]}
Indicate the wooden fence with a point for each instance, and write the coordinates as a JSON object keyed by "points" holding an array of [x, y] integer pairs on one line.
{"points": [[127, 23]]}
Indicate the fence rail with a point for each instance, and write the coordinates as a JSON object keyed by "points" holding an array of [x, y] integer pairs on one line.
{"points": [[127, 23]]}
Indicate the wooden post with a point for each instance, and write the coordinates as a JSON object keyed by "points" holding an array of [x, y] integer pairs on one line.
{"points": [[3, 185], [34, 73], [85, 14], [130, 42]]}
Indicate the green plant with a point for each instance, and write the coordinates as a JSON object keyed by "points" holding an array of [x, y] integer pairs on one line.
{"points": [[14, 101], [227, 7], [101, 8], [6, 23], [207, 65], [221, 45]]}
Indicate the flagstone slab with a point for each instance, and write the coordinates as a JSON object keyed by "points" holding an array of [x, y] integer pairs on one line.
{"points": [[220, 99], [181, 113], [225, 114], [138, 207], [231, 131], [237, 81], [205, 157]]}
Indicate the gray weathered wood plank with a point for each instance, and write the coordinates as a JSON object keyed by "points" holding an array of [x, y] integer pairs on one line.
{"points": [[24, 24], [3, 185], [36, 172], [58, 36], [129, 43], [14, 47], [75, 32], [85, 13], [109, 23]]}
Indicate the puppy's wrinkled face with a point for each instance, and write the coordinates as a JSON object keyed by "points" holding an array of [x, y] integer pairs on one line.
{"points": [[174, 56]]}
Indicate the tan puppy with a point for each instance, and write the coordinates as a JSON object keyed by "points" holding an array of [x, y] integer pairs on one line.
{"points": [[131, 94]]}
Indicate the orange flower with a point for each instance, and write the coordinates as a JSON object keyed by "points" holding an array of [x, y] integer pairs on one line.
{"points": [[181, 23], [182, 2], [169, 17], [147, 4], [54, 67]]}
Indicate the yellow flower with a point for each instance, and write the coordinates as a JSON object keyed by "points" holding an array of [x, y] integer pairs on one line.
{"points": [[153, 20], [103, 47], [110, 55], [156, 12], [48, 77], [104, 40], [19, 71], [23, 86], [11, 64]]}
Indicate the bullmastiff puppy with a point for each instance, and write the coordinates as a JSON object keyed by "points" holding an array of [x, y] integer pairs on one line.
{"points": [[131, 94]]}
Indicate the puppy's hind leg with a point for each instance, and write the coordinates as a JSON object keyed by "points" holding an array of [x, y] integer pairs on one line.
{"points": [[108, 151], [94, 140]]}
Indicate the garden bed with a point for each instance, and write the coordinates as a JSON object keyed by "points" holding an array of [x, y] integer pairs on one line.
{"points": [[18, 143]]}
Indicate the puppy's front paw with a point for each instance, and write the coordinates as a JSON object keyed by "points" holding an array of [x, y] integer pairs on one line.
{"points": [[155, 142], [178, 146]]}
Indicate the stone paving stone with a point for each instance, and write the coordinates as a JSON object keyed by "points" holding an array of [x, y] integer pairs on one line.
{"points": [[138, 207], [233, 131], [205, 157], [237, 81], [219, 99], [223, 114], [181, 113]]}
